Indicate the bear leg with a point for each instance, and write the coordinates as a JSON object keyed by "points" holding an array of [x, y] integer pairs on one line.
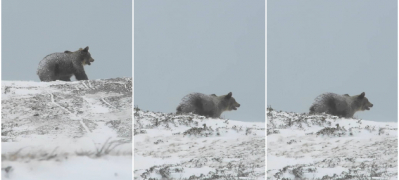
{"points": [[81, 76], [47, 77], [65, 78]]}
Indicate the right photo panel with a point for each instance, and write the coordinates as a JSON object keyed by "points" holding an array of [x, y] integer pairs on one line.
{"points": [[332, 89]]}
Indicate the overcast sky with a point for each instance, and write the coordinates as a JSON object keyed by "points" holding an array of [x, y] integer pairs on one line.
{"points": [[211, 47], [340, 46], [33, 29]]}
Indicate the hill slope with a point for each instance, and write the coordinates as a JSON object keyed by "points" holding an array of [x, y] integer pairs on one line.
{"points": [[67, 130], [306, 146], [173, 146]]}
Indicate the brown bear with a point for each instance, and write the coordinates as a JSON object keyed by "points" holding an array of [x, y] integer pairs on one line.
{"points": [[340, 105], [62, 66], [207, 105]]}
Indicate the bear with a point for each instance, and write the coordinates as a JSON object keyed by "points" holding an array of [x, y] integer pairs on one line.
{"points": [[62, 66], [340, 105], [207, 105]]}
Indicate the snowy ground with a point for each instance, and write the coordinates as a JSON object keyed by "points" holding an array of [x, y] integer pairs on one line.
{"points": [[67, 130], [169, 146], [302, 146]]}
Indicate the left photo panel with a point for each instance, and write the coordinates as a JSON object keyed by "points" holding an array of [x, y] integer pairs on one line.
{"points": [[66, 90]]}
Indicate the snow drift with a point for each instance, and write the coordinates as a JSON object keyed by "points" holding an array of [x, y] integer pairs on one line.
{"points": [[303, 146], [170, 146], [67, 130]]}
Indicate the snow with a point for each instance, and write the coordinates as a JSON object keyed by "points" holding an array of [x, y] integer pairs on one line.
{"points": [[321, 146], [113, 167], [61, 130], [187, 146], [67, 130]]}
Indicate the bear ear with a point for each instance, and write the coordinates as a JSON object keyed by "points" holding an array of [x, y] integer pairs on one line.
{"points": [[362, 95], [86, 49], [67, 51], [229, 95]]}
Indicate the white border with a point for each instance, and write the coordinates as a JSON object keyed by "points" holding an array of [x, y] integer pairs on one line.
{"points": [[397, 70], [133, 89], [0, 72], [266, 89]]}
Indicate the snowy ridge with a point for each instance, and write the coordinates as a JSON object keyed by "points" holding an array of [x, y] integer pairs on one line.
{"points": [[303, 146], [67, 130], [170, 146]]}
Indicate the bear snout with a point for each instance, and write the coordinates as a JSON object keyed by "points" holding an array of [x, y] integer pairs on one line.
{"points": [[234, 106], [368, 106]]}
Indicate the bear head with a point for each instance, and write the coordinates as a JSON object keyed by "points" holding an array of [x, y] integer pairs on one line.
{"points": [[229, 102], [86, 56], [362, 102]]}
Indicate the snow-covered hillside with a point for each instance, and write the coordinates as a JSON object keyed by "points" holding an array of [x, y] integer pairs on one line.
{"points": [[169, 146], [67, 130], [302, 146]]}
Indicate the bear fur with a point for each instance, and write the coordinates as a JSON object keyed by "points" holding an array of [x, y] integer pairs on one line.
{"points": [[62, 66], [340, 105], [207, 105]]}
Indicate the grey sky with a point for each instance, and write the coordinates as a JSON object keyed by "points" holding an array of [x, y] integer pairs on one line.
{"points": [[200, 46], [33, 29], [332, 46]]}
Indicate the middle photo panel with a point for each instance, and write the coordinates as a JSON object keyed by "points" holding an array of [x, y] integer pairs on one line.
{"points": [[199, 83]]}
